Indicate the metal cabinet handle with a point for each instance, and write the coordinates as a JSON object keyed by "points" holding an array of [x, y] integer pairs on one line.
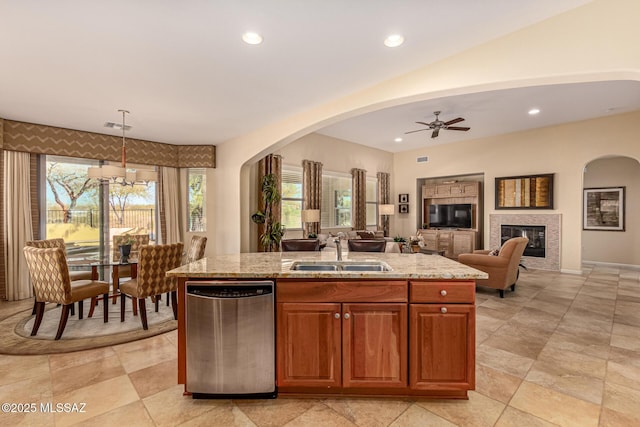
{"points": [[347, 316], [443, 310], [337, 315], [443, 293]]}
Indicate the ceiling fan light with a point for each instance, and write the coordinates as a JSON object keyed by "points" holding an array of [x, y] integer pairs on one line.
{"points": [[252, 38], [534, 111], [394, 40]]}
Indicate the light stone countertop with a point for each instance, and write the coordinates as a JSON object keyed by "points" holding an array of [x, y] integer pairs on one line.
{"points": [[278, 265]]}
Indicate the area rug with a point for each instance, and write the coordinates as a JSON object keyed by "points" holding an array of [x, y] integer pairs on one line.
{"points": [[82, 334]]}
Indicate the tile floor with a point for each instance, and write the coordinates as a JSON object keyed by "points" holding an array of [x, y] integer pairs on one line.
{"points": [[562, 350]]}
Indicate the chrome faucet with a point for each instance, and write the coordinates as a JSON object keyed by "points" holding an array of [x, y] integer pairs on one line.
{"points": [[339, 236]]}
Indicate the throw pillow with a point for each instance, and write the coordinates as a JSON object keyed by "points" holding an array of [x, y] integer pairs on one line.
{"points": [[366, 234], [494, 252]]}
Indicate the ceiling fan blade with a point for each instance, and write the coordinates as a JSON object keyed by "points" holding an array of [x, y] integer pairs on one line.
{"points": [[423, 123], [457, 128], [450, 122], [435, 133], [412, 131]]}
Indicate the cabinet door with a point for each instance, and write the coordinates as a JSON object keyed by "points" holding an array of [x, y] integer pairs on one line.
{"points": [[428, 191], [308, 345], [442, 345], [445, 243], [374, 345], [463, 242]]}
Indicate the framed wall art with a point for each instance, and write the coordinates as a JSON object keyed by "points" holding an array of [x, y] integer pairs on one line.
{"points": [[403, 208], [403, 198], [603, 209], [525, 192]]}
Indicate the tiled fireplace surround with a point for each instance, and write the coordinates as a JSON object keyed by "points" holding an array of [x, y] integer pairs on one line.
{"points": [[551, 261]]}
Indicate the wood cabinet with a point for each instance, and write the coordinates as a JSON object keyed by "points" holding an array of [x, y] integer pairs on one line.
{"points": [[442, 338], [336, 347], [452, 242], [393, 338], [456, 189]]}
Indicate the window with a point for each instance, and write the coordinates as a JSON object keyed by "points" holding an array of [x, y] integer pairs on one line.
{"points": [[86, 213], [291, 197], [336, 200], [197, 178], [372, 201]]}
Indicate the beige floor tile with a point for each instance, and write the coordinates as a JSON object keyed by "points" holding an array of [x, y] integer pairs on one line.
{"points": [[582, 387], [479, 410], [554, 406], [570, 362], [76, 358], [504, 361], [626, 375], [131, 414], [19, 368], [417, 416], [625, 357], [522, 340], [171, 408], [368, 412], [99, 398], [625, 336], [156, 378], [34, 390], [579, 344], [318, 415], [154, 350], [275, 412], [611, 418], [495, 384], [79, 376], [221, 416], [622, 399], [512, 417]]}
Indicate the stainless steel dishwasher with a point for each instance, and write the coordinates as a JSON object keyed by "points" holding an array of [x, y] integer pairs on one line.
{"points": [[230, 339]]}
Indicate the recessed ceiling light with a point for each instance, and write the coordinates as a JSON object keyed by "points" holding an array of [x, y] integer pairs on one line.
{"points": [[252, 38], [394, 40], [534, 111], [398, 139]]}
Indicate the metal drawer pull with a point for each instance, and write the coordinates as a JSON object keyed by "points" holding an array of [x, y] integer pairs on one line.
{"points": [[443, 293], [337, 315], [346, 316], [443, 310]]}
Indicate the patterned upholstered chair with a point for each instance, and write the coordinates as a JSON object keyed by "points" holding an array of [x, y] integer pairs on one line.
{"points": [[367, 245], [153, 262], [59, 243], [196, 249], [300, 245], [51, 283], [120, 239]]}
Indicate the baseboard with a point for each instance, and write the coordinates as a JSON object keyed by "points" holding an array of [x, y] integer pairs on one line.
{"points": [[612, 264], [567, 271]]}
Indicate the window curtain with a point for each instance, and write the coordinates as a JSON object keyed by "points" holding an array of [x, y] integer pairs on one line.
{"points": [[170, 206], [270, 164], [311, 192], [384, 197], [17, 225], [359, 199]]}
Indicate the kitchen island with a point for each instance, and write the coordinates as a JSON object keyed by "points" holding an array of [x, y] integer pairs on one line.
{"points": [[406, 331]]}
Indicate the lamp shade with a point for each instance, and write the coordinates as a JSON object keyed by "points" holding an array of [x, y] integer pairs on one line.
{"points": [[386, 209], [311, 215]]}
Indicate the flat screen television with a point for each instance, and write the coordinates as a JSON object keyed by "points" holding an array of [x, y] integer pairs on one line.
{"points": [[451, 216]]}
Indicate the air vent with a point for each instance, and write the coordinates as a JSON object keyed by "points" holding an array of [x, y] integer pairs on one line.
{"points": [[422, 159], [118, 126]]}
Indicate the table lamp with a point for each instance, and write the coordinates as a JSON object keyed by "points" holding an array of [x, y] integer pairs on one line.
{"points": [[385, 211], [309, 215]]}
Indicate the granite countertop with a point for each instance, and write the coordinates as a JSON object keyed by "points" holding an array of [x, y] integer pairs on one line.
{"points": [[278, 265]]}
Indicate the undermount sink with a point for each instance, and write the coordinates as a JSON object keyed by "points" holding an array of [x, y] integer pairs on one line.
{"points": [[340, 266]]}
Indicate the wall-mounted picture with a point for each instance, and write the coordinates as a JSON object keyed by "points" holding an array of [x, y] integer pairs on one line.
{"points": [[404, 208], [603, 209], [403, 198], [525, 192]]}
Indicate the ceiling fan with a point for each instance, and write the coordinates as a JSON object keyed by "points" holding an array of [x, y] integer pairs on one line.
{"points": [[438, 124]]}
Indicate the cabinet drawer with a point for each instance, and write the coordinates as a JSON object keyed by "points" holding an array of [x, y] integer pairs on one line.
{"points": [[341, 291], [443, 292]]}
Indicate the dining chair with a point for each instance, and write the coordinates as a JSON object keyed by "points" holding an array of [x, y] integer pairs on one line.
{"points": [[125, 269], [73, 274], [51, 283], [300, 245], [195, 252], [153, 263], [367, 245]]}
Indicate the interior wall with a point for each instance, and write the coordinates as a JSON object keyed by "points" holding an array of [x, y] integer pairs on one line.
{"points": [[618, 247], [562, 150]]}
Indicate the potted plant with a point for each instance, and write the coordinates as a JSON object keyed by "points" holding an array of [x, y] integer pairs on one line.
{"points": [[312, 236], [400, 241], [272, 230], [125, 247]]}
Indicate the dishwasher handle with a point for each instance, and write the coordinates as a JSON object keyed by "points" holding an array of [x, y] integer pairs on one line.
{"points": [[230, 291]]}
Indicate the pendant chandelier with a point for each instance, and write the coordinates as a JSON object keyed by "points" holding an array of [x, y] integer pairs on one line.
{"points": [[120, 174]]}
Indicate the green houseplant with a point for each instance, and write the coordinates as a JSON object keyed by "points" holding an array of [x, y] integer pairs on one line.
{"points": [[272, 231], [401, 241]]}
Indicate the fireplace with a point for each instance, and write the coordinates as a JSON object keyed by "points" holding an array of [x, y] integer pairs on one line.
{"points": [[535, 234]]}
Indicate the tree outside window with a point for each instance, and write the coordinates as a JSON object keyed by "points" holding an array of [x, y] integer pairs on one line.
{"points": [[196, 200]]}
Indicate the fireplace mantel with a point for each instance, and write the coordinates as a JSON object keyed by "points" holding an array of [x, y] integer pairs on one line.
{"points": [[552, 222]]}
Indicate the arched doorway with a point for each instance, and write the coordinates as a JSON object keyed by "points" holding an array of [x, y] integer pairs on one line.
{"points": [[608, 246]]}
